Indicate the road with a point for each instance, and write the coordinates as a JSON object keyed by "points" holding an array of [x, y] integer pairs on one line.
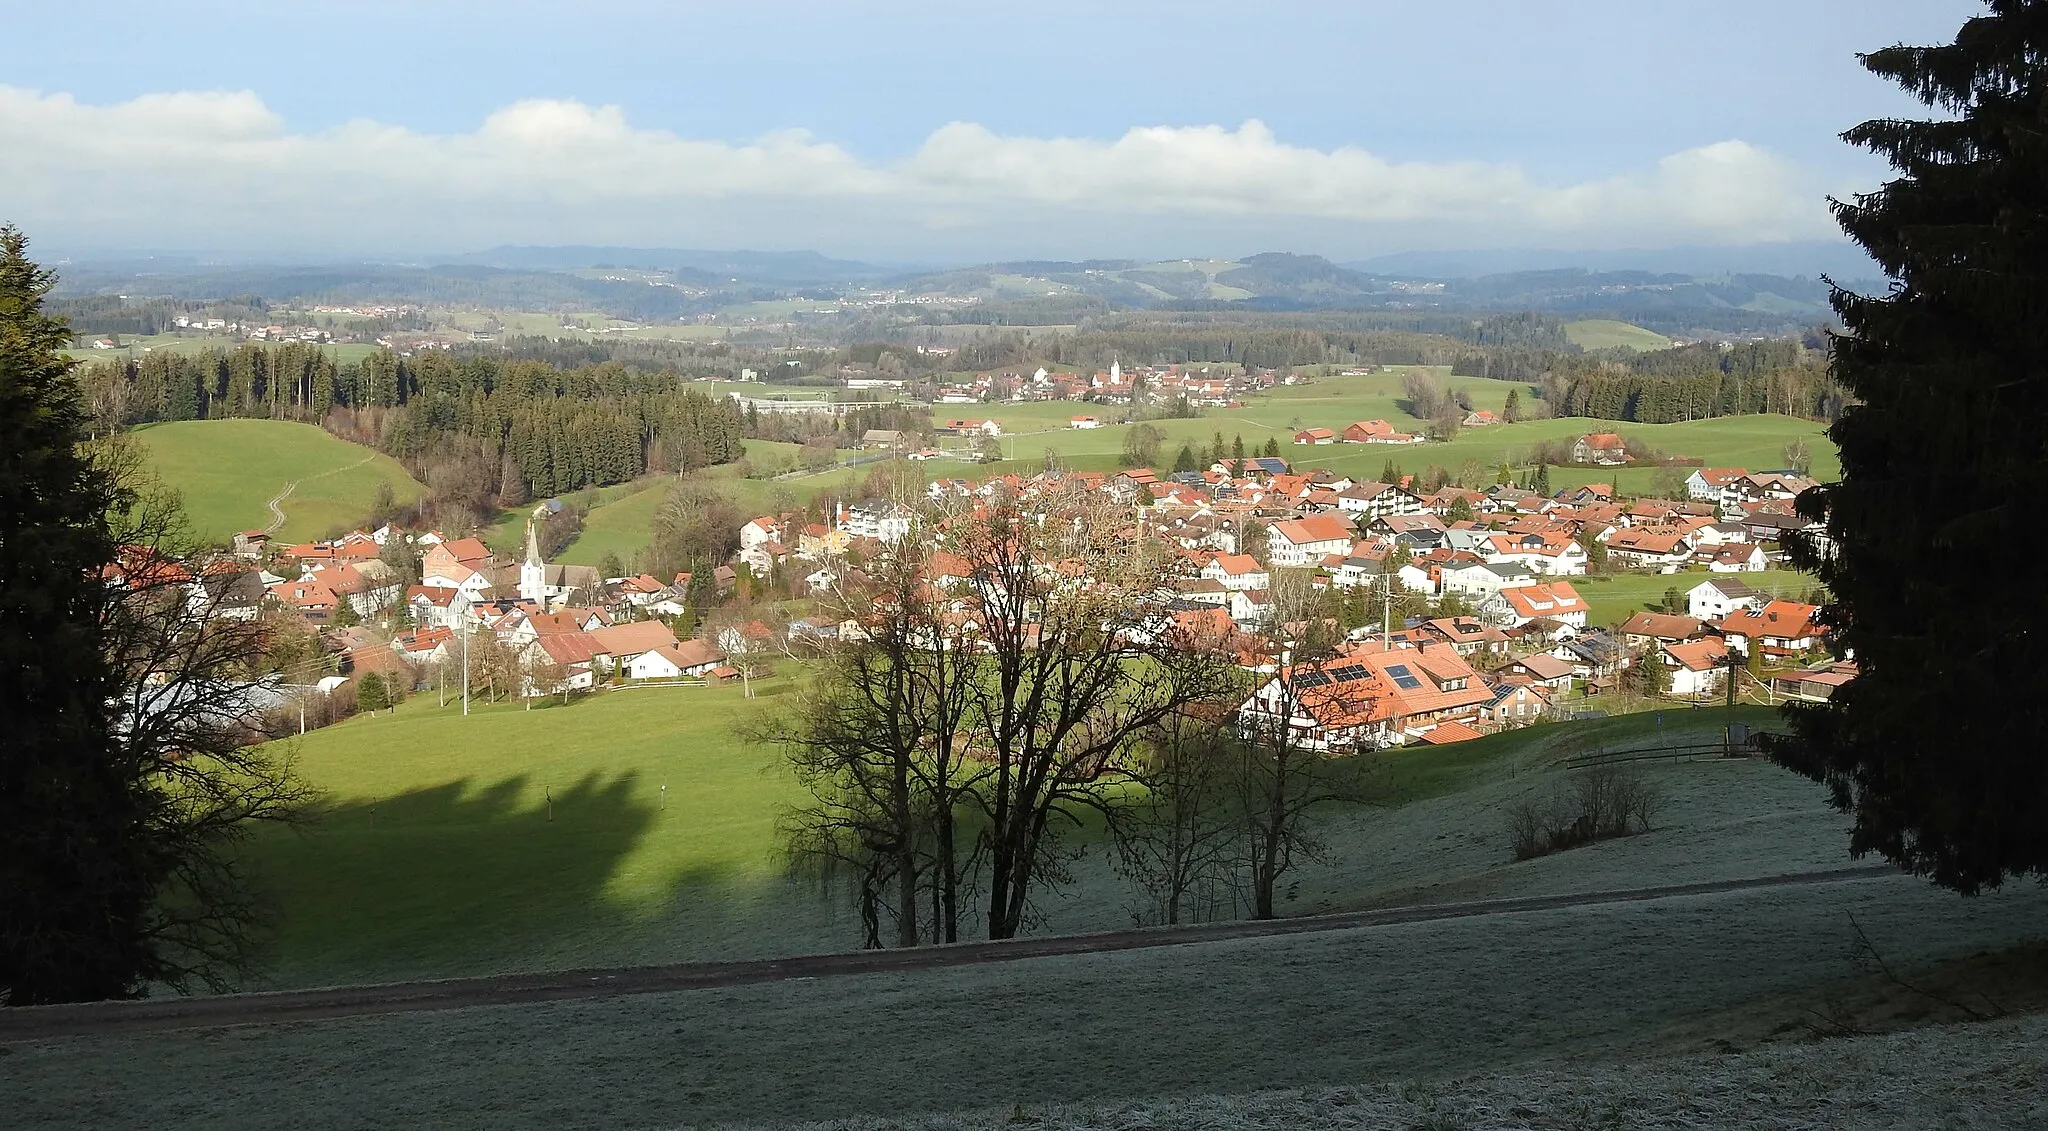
{"points": [[106, 1018]]}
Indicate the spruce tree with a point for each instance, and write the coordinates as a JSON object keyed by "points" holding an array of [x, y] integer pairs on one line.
{"points": [[1936, 746], [78, 872]]}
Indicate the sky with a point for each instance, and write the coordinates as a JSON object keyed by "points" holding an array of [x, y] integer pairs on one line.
{"points": [[909, 131]]}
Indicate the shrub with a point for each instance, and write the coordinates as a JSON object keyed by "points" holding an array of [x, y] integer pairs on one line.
{"points": [[1599, 804]]}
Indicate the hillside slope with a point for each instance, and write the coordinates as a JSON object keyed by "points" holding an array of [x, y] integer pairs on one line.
{"points": [[230, 470]]}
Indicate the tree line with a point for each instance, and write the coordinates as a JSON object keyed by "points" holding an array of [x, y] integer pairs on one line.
{"points": [[539, 428]]}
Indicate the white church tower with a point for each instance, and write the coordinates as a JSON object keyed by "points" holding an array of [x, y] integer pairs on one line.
{"points": [[533, 572], [1116, 372]]}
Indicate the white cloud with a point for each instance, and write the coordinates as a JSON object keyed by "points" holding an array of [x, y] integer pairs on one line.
{"points": [[222, 169]]}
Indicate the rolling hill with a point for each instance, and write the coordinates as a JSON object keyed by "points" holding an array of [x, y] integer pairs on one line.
{"points": [[230, 471]]}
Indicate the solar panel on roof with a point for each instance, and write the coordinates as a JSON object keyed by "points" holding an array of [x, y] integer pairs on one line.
{"points": [[1403, 678]]}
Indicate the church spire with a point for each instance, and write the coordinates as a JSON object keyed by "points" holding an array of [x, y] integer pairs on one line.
{"points": [[532, 545]]}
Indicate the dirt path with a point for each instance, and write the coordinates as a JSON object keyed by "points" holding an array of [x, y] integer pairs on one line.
{"points": [[277, 519], [277, 512], [43, 1022]]}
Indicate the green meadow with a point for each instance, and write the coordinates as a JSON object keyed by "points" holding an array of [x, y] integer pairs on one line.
{"points": [[1605, 333], [228, 470]]}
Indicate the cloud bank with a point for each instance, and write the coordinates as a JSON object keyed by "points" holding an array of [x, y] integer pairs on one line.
{"points": [[221, 169]]}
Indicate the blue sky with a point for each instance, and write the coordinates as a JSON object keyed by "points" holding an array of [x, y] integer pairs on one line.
{"points": [[952, 131]]}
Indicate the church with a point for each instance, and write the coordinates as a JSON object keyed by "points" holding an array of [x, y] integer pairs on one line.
{"points": [[553, 585]]}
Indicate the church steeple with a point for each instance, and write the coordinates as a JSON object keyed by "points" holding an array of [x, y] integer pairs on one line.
{"points": [[533, 573], [532, 545]]}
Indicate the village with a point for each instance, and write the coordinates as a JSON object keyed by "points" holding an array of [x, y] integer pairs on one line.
{"points": [[1457, 605]]}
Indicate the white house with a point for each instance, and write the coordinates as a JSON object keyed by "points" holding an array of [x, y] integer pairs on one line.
{"points": [[675, 661], [880, 519], [1713, 600], [1377, 500], [1484, 579], [1555, 600], [1084, 422], [1307, 541], [1237, 571], [1697, 667]]}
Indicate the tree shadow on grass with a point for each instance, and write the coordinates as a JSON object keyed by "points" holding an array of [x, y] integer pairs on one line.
{"points": [[451, 879]]}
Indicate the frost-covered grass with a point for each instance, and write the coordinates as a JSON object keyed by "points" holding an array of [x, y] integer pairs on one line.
{"points": [[1428, 1002], [1977, 1076], [440, 856]]}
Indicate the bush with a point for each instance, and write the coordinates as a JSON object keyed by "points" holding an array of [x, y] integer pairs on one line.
{"points": [[1599, 804]]}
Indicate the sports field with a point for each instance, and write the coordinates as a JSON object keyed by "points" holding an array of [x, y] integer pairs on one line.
{"points": [[229, 470]]}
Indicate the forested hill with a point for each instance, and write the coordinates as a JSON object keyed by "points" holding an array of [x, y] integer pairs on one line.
{"points": [[520, 427]]}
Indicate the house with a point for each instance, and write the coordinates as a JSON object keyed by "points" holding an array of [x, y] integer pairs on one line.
{"points": [[252, 543], [1738, 557], [881, 519], [967, 427], [433, 606], [1814, 685], [1365, 430], [1551, 552], [1237, 571], [1377, 500], [1551, 600], [1784, 631], [1479, 418], [1697, 667], [1713, 600], [1653, 549], [759, 532], [1603, 449], [1084, 422], [1307, 541], [882, 439], [1647, 628], [1543, 670], [1317, 436], [1483, 579], [1713, 484], [224, 591], [1515, 704], [1369, 698], [1593, 655], [684, 659], [1469, 636]]}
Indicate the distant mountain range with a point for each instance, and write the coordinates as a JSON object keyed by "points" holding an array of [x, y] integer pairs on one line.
{"points": [[1841, 261], [1681, 292]]}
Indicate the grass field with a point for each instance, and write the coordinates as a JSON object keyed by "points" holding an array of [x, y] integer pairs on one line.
{"points": [[440, 850], [1754, 442], [1390, 1015], [227, 470], [1618, 596], [1605, 333]]}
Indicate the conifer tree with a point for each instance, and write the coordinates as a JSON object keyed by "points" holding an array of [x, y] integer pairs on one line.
{"points": [[1936, 746]]}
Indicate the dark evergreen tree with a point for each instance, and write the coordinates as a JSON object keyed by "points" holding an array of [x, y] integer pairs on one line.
{"points": [[1936, 747], [78, 872]]}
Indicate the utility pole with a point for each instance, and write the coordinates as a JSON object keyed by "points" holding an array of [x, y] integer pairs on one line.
{"points": [[1387, 609], [465, 665]]}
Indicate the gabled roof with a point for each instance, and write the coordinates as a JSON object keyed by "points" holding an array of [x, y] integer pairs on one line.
{"points": [[1314, 528], [1663, 626]]}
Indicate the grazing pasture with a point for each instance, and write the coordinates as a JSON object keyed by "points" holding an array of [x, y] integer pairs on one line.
{"points": [[228, 472]]}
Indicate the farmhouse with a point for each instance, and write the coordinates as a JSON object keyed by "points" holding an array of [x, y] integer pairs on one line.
{"points": [[1084, 422], [1315, 436], [1646, 628], [1602, 449], [688, 658]]}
